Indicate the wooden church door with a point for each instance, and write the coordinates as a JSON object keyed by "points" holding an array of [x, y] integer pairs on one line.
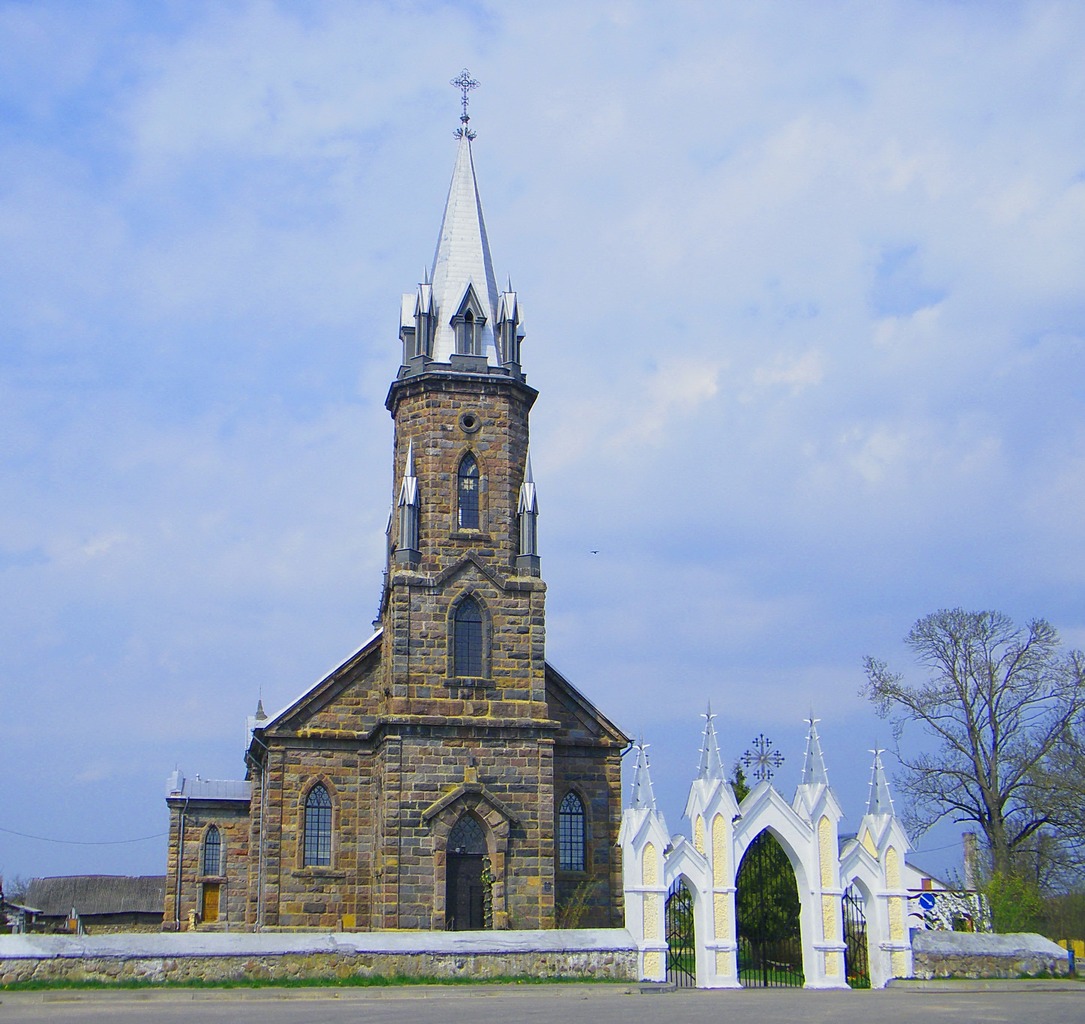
{"points": [[465, 894]]}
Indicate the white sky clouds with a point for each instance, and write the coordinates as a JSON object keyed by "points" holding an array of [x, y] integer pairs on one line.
{"points": [[803, 286]]}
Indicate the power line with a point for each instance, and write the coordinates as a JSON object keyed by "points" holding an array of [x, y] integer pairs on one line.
{"points": [[84, 842], [938, 849]]}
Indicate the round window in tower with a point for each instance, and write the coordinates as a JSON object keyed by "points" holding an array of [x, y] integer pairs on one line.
{"points": [[470, 422]]}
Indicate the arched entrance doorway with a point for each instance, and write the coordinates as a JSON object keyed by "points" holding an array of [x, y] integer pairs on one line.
{"points": [[467, 906], [856, 955], [767, 917]]}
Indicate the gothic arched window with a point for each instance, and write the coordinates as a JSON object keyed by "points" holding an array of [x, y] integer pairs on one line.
{"points": [[467, 639], [467, 489], [571, 834], [212, 852], [318, 828]]}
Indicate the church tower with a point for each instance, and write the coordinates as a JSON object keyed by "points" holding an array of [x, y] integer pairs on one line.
{"points": [[462, 612], [445, 776]]}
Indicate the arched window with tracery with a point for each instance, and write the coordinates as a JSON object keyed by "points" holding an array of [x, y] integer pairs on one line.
{"points": [[318, 828], [571, 834], [212, 851], [468, 635], [467, 837], [467, 491]]}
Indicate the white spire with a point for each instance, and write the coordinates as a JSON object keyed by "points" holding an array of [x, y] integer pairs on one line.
{"points": [[408, 491], [710, 767], [409, 506], [462, 260], [813, 765], [527, 516], [642, 795], [528, 501], [879, 801]]}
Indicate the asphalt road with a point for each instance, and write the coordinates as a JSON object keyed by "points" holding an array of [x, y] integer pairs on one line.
{"points": [[558, 1004]]}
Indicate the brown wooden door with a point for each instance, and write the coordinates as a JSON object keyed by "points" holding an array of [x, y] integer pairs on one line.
{"points": [[464, 909], [210, 902]]}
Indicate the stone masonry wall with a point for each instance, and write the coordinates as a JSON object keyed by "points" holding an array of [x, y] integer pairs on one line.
{"points": [[944, 954], [337, 895], [513, 768], [232, 820], [594, 774], [419, 676], [429, 410], [601, 955]]}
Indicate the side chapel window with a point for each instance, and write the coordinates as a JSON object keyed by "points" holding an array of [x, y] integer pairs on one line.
{"points": [[467, 490], [467, 636], [212, 852], [571, 834], [318, 828]]}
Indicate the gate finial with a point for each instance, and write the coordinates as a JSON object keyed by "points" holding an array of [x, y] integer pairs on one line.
{"points": [[814, 771], [880, 801], [710, 766], [642, 795]]}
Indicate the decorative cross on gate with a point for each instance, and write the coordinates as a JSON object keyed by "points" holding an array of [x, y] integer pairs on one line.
{"points": [[762, 760]]}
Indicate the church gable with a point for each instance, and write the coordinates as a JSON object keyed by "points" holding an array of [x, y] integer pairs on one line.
{"points": [[581, 721], [346, 701]]}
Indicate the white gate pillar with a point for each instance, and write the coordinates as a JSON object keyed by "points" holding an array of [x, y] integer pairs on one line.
{"points": [[712, 808], [643, 839]]}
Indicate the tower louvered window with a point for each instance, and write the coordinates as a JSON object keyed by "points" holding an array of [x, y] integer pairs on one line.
{"points": [[471, 335], [318, 828], [571, 834], [467, 639], [212, 852], [467, 490]]}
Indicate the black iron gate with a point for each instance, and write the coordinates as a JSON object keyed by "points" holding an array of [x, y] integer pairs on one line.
{"points": [[767, 917], [681, 937], [856, 955]]}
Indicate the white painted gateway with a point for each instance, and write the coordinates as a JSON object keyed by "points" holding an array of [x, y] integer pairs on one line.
{"points": [[765, 893]]}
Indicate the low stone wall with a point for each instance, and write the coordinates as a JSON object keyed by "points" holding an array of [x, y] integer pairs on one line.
{"points": [[942, 954], [609, 954]]}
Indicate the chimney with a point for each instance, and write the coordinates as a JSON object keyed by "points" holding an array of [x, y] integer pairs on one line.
{"points": [[971, 859]]}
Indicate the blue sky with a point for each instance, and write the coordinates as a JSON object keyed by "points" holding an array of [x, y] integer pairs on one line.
{"points": [[803, 294]]}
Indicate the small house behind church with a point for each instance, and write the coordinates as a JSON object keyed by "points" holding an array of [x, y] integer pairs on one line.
{"points": [[91, 903]]}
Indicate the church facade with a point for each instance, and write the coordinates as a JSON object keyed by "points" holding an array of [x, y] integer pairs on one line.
{"points": [[445, 776]]}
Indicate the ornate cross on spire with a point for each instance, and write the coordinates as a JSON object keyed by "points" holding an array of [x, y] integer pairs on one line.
{"points": [[464, 82]]}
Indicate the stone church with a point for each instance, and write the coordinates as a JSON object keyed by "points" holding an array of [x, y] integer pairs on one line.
{"points": [[445, 776]]}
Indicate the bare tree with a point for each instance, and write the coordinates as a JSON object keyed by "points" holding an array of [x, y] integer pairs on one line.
{"points": [[1060, 786], [999, 701]]}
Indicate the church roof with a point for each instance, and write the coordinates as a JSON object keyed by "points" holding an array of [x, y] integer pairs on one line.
{"points": [[371, 646], [462, 259], [593, 727], [600, 726], [179, 787]]}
